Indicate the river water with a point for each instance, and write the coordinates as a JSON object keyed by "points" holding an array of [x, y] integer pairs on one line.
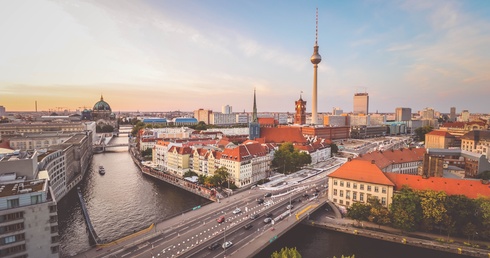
{"points": [[124, 200]]}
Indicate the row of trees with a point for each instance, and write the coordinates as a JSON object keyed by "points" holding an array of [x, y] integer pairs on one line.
{"points": [[428, 210], [221, 178]]}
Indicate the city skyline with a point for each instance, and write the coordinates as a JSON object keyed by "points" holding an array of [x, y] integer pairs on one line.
{"points": [[186, 55]]}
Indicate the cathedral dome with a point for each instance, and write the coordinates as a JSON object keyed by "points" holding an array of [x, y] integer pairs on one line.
{"points": [[102, 105]]}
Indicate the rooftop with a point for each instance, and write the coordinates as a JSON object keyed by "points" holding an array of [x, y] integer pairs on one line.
{"points": [[15, 188]]}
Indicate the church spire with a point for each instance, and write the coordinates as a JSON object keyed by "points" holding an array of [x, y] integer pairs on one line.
{"points": [[254, 114]]}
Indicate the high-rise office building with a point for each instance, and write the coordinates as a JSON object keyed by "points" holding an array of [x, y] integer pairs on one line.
{"points": [[203, 115], [465, 116], [403, 114], [337, 111], [361, 103], [226, 109], [452, 114], [2, 110]]}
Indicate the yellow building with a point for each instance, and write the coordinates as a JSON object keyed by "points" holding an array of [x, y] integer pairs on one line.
{"points": [[438, 139], [357, 181]]}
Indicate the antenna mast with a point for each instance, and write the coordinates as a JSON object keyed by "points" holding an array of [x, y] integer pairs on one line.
{"points": [[316, 32]]}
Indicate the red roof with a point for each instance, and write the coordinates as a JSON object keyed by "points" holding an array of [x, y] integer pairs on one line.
{"points": [[282, 134], [244, 152], [361, 171], [441, 133], [468, 187], [385, 158]]}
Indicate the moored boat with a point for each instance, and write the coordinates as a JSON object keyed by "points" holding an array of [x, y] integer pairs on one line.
{"points": [[101, 170]]}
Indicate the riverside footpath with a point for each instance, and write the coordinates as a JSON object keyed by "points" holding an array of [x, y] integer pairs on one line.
{"points": [[333, 220]]}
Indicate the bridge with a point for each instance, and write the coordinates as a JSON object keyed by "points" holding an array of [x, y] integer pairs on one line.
{"points": [[191, 233]]}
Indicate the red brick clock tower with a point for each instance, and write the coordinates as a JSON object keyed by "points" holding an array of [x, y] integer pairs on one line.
{"points": [[300, 116]]}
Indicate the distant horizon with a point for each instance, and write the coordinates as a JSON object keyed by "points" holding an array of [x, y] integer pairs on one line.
{"points": [[160, 55]]}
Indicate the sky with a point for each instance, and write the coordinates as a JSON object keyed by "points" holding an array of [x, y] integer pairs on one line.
{"points": [[184, 55]]}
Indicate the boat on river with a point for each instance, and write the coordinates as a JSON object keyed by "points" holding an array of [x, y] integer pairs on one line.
{"points": [[101, 170]]}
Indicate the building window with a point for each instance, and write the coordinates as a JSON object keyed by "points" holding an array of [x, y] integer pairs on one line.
{"points": [[369, 188], [334, 191], [376, 189], [347, 194], [335, 200], [341, 183], [383, 190], [348, 184], [9, 239], [12, 203], [361, 197], [35, 199], [341, 193], [354, 196], [354, 185], [383, 201], [361, 187], [347, 203], [334, 182], [341, 201]]}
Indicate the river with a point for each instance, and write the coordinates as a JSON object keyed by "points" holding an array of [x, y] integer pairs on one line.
{"points": [[124, 200]]}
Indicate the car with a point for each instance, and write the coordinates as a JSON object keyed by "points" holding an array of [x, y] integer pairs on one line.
{"points": [[248, 226], [213, 246], [254, 216], [237, 210], [221, 219], [268, 195], [260, 201], [267, 220], [289, 207], [226, 244], [269, 215]]}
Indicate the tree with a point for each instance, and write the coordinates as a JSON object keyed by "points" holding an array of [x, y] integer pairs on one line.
{"points": [[287, 159], [405, 209], [421, 131], [482, 214], [460, 210], [433, 210], [147, 153], [358, 211], [286, 253], [199, 126], [378, 214], [190, 173], [222, 176], [137, 127]]}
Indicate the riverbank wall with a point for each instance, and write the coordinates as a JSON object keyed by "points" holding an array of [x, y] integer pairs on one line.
{"points": [[401, 239]]}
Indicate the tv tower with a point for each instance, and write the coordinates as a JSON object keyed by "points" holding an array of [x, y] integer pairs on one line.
{"points": [[315, 60]]}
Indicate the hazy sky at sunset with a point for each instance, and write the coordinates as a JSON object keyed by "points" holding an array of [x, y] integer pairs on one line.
{"points": [[185, 55]]}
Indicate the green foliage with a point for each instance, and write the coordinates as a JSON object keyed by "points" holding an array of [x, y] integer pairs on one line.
{"points": [[104, 128], [190, 174], [147, 153], [421, 131], [378, 213], [288, 160], [432, 204], [405, 210], [137, 127], [358, 211], [286, 253], [199, 126]]}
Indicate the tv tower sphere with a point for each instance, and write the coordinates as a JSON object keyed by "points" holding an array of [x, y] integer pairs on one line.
{"points": [[316, 58]]}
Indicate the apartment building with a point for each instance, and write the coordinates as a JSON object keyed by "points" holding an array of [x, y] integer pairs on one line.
{"points": [[477, 141], [28, 218]]}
